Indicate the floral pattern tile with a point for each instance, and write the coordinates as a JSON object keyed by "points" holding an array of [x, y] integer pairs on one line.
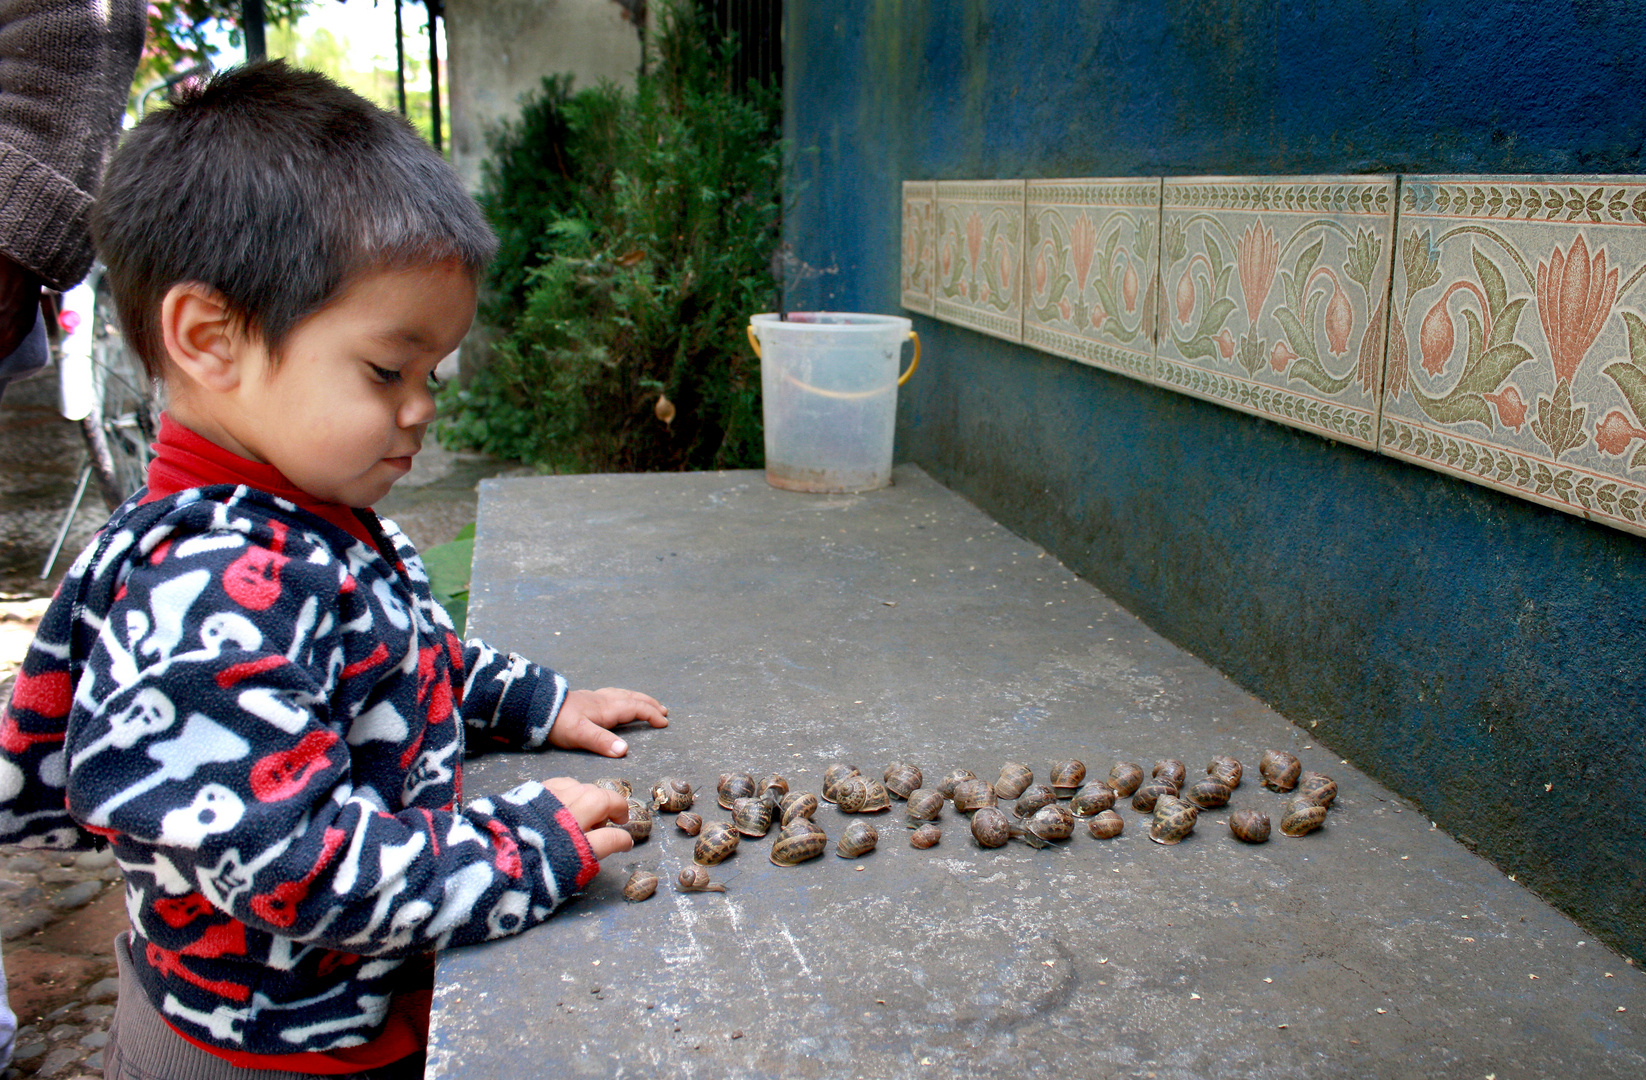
{"points": [[1517, 350], [979, 256], [1275, 297], [919, 243], [1091, 258]]}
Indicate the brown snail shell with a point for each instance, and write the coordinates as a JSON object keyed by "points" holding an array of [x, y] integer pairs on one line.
{"points": [[1094, 798], [1173, 821], [1208, 793], [796, 849], [861, 795], [1301, 816], [926, 836], [640, 886], [1249, 825], [672, 796], [973, 794], [990, 828], [1279, 770], [689, 823], [1050, 822], [718, 843], [877, 799], [800, 826], [901, 779], [1125, 778], [696, 879], [833, 777], [1145, 797], [772, 782], [1014, 780], [945, 787], [1318, 787], [1106, 825], [859, 839], [1226, 769], [797, 804], [1170, 769], [752, 817], [639, 824], [1066, 777], [612, 784], [1033, 799], [924, 805], [734, 786]]}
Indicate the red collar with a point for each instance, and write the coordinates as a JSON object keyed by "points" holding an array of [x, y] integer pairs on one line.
{"points": [[183, 460]]}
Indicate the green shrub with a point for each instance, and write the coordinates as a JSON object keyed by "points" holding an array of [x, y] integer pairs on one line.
{"points": [[637, 231]]}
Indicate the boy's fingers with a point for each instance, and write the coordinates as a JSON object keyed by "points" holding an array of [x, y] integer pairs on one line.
{"points": [[605, 842], [598, 739], [590, 805]]}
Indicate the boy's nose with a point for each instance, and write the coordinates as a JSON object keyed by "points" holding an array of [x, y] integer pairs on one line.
{"points": [[417, 409]]}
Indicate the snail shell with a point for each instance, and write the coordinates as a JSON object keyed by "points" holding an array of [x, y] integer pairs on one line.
{"points": [[926, 836], [696, 879], [796, 849], [1066, 777], [800, 827], [1145, 797], [1050, 822], [1125, 778], [990, 828], [640, 886], [1250, 826], [1170, 769], [718, 843], [1014, 780], [877, 799], [734, 786], [672, 796], [973, 794], [752, 817], [1173, 821], [861, 795], [924, 805], [1279, 770], [1226, 769], [1094, 798], [1106, 825], [832, 776], [639, 824], [772, 782], [1318, 787], [946, 787], [798, 804], [1208, 793], [1033, 799], [611, 784], [859, 839], [901, 779], [689, 823], [1301, 816]]}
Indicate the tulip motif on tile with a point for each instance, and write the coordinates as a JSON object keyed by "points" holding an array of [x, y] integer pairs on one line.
{"points": [[1511, 409], [1090, 277], [1574, 299], [1082, 245], [1257, 255]]}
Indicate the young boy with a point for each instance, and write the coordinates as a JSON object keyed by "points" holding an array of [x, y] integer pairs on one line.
{"points": [[244, 684]]}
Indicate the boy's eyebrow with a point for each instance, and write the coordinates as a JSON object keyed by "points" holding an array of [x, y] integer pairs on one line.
{"points": [[403, 336]]}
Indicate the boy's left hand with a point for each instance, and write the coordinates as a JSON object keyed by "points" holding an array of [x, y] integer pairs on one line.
{"points": [[586, 715]]}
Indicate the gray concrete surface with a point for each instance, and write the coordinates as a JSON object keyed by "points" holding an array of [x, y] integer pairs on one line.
{"points": [[787, 632]]}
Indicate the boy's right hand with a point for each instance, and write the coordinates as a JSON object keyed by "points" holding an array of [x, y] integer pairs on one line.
{"points": [[593, 807]]}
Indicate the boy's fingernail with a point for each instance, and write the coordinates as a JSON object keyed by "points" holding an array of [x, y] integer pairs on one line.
{"points": [[620, 747]]}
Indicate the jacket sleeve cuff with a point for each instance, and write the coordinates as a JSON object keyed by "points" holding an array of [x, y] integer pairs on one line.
{"points": [[44, 226]]}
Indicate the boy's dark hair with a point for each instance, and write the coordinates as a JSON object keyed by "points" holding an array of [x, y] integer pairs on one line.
{"points": [[276, 188]]}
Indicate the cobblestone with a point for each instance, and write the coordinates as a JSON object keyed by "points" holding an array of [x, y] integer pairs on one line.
{"points": [[59, 1060]]}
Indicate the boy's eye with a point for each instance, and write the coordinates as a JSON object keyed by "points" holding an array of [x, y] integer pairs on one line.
{"points": [[434, 382], [388, 375]]}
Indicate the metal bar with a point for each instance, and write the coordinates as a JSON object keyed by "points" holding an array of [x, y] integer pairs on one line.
{"points": [[68, 518]]}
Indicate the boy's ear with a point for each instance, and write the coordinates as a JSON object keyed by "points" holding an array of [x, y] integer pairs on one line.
{"points": [[201, 336]]}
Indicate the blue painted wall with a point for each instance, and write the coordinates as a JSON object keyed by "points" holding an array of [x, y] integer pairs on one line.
{"points": [[1465, 647]]}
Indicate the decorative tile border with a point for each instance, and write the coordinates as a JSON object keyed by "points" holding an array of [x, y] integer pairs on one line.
{"points": [[919, 244], [980, 256], [1091, 265]]}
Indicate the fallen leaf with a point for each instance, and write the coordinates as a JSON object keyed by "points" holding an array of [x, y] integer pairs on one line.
{"points": [[1282, 1027], [631, 258], [1470, 940], [889, 603], [1194, 997], [1403, 858], [1531, 976], [1049, 963], [1621, 1009], [1381, 1012], [1608, 974], [1548, 787], [880, 1001]]}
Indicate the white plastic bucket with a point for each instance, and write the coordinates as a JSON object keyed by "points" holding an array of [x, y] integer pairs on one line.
{"points": [[829, 385]]}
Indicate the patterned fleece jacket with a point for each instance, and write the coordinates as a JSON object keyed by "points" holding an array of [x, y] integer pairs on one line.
{"points": [[261, 714]]}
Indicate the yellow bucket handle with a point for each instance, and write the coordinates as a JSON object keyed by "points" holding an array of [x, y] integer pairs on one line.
{"points": [[844, 395]]}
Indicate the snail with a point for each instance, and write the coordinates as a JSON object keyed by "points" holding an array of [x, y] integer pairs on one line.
{"points": [[1145, 797], [800, 826], [1014, 780], [1050, 822], [861, 795], [792, 850], [926, 836], [901, 779], [797, 804], [611, 784], [734, 786], [946, 787], [859, 839], [990, 828], [1066, 777], [639, 824], [772, 782], [1318, 787], [1279, 770], [1033, 799], [1301, 816], [1094, 798], [1170, 769], [1173, 821], [924, 805], [1106, 825], [672, 796], [973, 794], [1208, 793], [689, 823], [1125, 778], [696, 879], [1250, 826], [718, 843], [752, 817], [640, 886], [832, 776], [1226, 769]]}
